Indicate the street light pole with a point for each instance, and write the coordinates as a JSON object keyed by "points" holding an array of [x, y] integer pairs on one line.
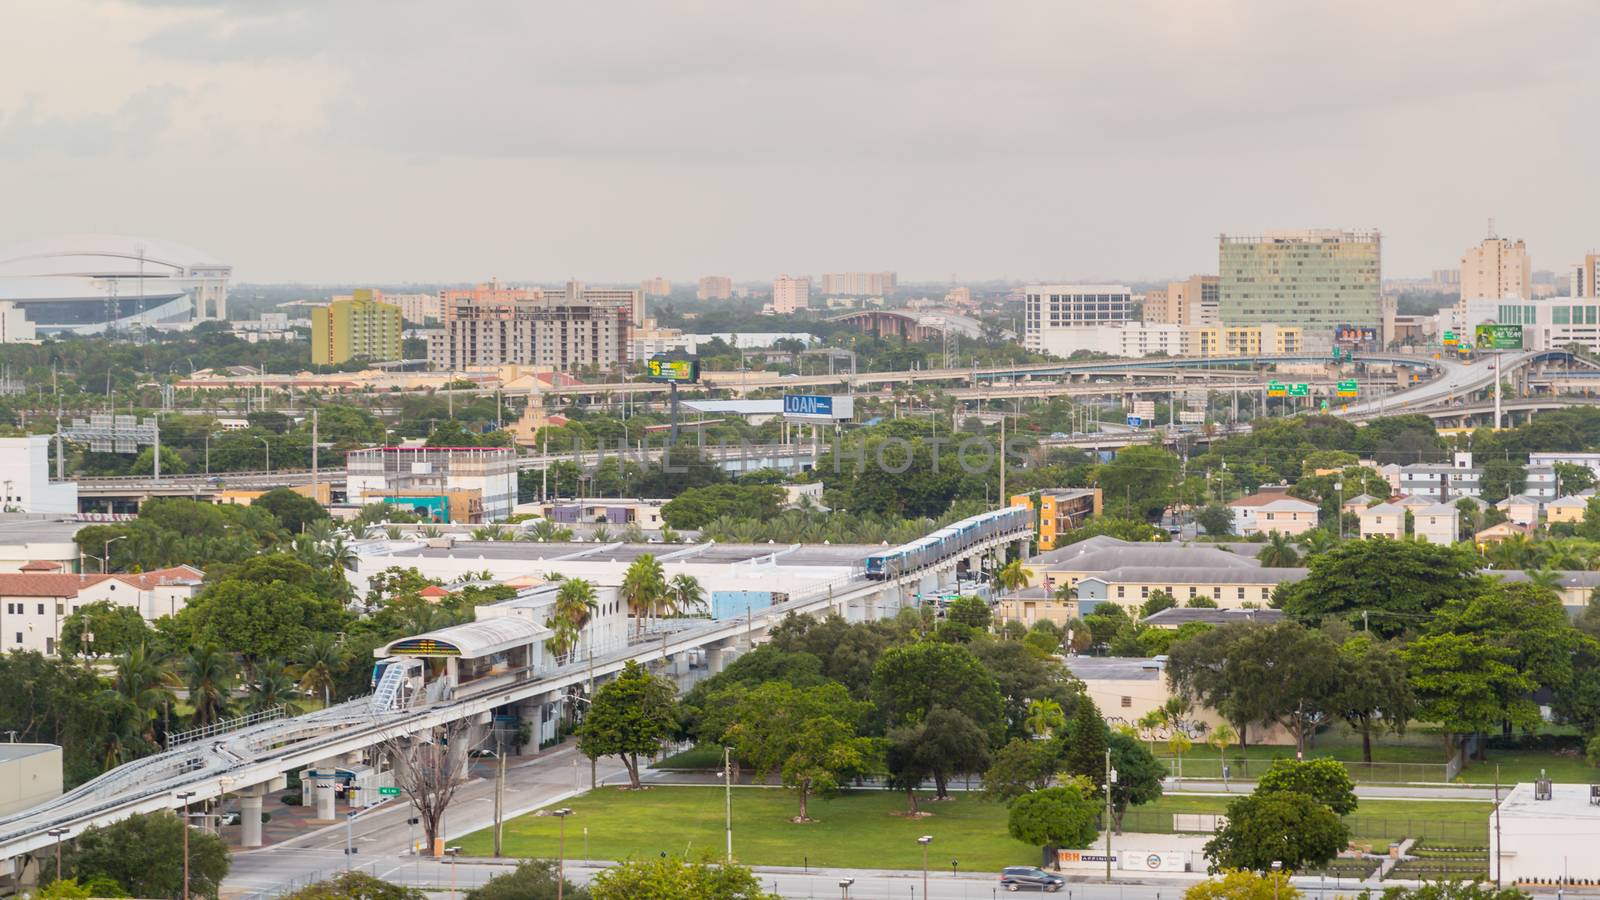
{"points": [[185, 797], [499, 800], [561, 859], [1111, 778], [57, 833], [925, 840], [105, 561], [727, 797]]}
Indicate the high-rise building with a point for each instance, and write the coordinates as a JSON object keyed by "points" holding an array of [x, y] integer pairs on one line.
{"points": [[1495, 269], [656, 287], [579, 327], [1314, 279], [1051, 311], [360, 327], [416, 308], [1190, 302], [791, 293], [1584, 274], [854, 284], [715, 287]]}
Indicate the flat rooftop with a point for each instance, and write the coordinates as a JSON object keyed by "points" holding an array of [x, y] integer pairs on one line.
{"points": [[11, 752], [1567, 801], [33, 528], [833, 555], [1115, 668]]}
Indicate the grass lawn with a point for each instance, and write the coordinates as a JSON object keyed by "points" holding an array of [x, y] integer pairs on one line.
{"points": [[1391, 763], [865, 829], [700, 756]]}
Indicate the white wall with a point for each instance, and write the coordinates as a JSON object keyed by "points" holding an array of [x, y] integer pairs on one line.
{"points": [[25, 478]]}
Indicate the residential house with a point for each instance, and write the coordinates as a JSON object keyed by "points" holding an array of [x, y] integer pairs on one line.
{"points": [[1359, 502], [1494, 534], [1035, 604], [1384, 520], [1272, 509], [1520, 509], [1437, 524], [1442, 482], [1566, 509], [1540, 483]]}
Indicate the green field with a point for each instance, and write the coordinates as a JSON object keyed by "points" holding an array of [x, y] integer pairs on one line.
{"points": [[867, 829]]}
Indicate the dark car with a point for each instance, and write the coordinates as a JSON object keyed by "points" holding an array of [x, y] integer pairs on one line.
{"points": [[1016, 878]]}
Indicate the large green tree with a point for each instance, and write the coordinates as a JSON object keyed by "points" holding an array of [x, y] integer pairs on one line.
{"points": [[1385, 585], [1375, 691], [1283, 674], [257, 620], [144, 854], [1056, 817], [632, 714], [908, 682], [533, 879], [1325, 780], [1139, 775], [1277, 826], [806, 736], [116, 628], [1139, 482]]}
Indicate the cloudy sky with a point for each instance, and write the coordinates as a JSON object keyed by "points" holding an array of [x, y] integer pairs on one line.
{"points": [[389, 140]]}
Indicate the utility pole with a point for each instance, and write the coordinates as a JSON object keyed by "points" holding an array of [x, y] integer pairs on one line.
{"points": [[1111, 778], [314, 479], [499, 795]]}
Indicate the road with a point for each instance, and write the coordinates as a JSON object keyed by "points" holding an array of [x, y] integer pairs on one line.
{"points": [[381, 836]]}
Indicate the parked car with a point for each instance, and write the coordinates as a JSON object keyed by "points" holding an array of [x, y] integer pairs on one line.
{"points": [[1016, 878]]}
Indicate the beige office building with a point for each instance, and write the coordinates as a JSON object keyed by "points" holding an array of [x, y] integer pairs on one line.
{"points": [[1189, 302], [859, 284], [791, 293], [1495, 269], [715, 287], [1584, 276], [656, 287]]}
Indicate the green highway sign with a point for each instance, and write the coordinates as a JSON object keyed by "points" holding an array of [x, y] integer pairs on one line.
{"points": [[1450, 339], [1349, 389], [1498, 337], [389, 791], [1275, 388], [1300, 390]]}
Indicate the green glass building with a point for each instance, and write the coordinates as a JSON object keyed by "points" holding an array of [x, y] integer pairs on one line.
{"points": [[1316, 280]]}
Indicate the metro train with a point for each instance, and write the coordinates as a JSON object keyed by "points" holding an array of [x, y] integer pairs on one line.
{"points": [[951, 540]]}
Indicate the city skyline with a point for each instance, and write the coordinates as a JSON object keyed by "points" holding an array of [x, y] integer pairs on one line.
{"points": [[258, 133]]}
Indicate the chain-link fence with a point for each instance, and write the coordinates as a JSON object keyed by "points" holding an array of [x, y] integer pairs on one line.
{"points": [[1377, 831], [1211, 768]]}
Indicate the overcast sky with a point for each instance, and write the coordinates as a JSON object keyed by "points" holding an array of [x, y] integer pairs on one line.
{"points": [[390, 140]]}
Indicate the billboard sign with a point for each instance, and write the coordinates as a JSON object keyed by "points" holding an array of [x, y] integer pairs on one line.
{"points": [[1276, 388], [1498, 337], [1349, 389], [1152, 861], [818, 408], [1135, 422], [672, 370], [1355, 334], [1300, 389]]}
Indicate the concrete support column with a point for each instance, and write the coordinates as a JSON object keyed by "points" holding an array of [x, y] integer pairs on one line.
{"points": [[716, 658], [250, 818], [325, 779]]}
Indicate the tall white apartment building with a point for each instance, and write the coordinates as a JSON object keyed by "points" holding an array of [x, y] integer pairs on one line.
{"points": [[1051, 311], [791, 293]]}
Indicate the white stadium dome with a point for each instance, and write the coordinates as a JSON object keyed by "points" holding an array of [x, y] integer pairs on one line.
{"points": [[84, 282]]}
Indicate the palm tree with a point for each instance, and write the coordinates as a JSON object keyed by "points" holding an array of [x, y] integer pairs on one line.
{"points": [[1515, 551], [1318, 541], [1221, 738], [685, 595], [549, 532], [643, 586], [1150, 723], [272, 686], [319, 662], [432, 531], [575, 604], [1014, 576], [1044, 717], [1278, 553], [140, 678], [669, 536], [209, 674], [602, 534], [633, 533], [1179, 743], [340, 554]]}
